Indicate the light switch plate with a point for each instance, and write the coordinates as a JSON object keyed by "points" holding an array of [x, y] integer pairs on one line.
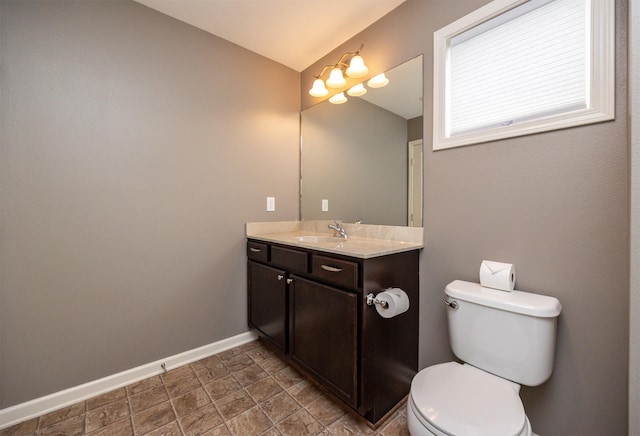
{"points": [[271, 204], [325, 205]]}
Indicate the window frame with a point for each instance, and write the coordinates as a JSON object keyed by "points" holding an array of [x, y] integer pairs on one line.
{"points": [[601, 89]]}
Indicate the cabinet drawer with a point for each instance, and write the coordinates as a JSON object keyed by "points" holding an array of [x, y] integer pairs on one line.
{"points": [[257, 251], [336, 271], [292, 260]]}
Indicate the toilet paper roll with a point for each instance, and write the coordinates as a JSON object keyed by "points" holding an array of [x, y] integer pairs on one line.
{"points": [[397, 302], [498, 275]]}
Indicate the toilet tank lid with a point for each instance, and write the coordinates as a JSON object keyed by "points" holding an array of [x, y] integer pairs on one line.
{"points": [[515, 301]]}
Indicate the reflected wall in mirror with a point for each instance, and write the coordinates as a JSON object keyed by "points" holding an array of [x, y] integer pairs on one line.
{"points": [[359, 160]]}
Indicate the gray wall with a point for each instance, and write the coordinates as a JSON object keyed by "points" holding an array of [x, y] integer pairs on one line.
{"points": [[133, 150], [355, 156], [555, 204]]}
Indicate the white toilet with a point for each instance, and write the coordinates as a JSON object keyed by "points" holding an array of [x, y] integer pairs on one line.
{"points": [[506, 339]]}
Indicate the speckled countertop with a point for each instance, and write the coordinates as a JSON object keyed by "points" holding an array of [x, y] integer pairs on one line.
{"points": [[365, 240]]}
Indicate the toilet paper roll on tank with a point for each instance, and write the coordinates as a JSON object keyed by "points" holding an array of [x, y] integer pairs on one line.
{"points": [[498, 275]]}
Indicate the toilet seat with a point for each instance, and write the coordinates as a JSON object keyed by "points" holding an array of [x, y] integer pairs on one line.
{"points": [[455, 399]]}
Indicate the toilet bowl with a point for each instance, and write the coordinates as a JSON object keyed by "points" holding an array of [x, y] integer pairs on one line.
{"points": [[454, 399], [505, 339]]}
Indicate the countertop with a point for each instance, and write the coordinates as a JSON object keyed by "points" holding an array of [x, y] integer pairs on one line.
{"points": [[377, 240]]}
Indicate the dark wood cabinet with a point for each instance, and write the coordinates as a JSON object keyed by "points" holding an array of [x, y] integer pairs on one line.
{"points": [[268, 303], [311, 305], [324, 334]]}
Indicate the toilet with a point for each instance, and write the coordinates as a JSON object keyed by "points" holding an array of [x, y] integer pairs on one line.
{"points": [[505, 339]]}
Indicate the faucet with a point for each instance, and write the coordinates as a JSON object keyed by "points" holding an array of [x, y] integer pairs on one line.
{"points": [[338, 230]]}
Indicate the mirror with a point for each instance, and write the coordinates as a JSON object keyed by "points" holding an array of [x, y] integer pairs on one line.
{"points": [[362, 160]]}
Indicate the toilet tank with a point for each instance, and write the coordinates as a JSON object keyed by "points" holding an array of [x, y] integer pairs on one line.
{"points": [[509, 334]]}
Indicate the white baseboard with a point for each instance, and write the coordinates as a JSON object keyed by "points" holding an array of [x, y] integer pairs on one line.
{"points": [[49, 403]]}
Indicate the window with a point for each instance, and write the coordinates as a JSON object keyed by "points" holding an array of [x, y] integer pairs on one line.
{"points": [[517, 67]]}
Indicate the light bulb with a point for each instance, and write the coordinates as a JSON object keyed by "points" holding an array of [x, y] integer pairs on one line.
{"points": [[357, 91], [357, 68], [336, 79], [338, 98], [318, 89], [378, 81]]}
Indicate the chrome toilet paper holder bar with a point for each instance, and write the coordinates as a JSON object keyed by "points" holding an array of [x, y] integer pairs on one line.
{"points": [[371, 300]]}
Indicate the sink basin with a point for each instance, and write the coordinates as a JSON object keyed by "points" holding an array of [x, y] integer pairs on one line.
{"points": [[316, 239]]}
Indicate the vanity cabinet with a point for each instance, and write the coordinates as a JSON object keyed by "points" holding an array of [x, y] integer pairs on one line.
{"points": [[311, 306], [324, 335], [268, 303]]}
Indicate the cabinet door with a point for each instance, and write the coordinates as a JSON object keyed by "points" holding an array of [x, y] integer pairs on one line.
{"points": [[324, 336], [268, 302]]}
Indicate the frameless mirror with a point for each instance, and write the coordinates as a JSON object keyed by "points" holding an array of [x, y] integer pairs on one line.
{"points": [[362, 160]]}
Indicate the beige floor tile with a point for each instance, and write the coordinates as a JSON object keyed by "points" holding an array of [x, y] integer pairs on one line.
{"points": [[119, 428], [279, 407], [326, 411], [190, 402], [259, 354], [249, 423], [71, 427], [105, 415], [62, 415], [153, 418], [220, 430], [212, 373], [207, 362], [264, 389], [272, 365], [234, 404], [223, 387], [238, 362], [253, 392], [24, 428], [181, 386], [177, 373], [397, 426], [287, 377], [104, 399], [148, 398], [250, 375], [201, 420], [271, 432], [300, 423], [143, 385], [171, 429], [304, 392], [348, 426], [229, 354]]}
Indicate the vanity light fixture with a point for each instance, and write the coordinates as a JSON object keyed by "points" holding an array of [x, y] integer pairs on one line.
{"points": [[357, 91], [354, 69], [378, 81], [338, 98]]}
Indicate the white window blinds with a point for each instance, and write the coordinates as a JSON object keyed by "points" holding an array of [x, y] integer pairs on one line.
{"points": [[527, 67], [519, 67]]}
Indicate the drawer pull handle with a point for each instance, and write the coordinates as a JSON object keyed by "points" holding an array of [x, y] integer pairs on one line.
{"points": [[330, 268], [255, 250]]}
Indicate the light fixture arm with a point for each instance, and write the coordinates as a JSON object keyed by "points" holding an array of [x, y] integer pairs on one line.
{"points": [[341, 62], [354, 69]]}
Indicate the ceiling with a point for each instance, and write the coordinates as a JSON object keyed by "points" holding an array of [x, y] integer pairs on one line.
{"points": [[295, 33]]}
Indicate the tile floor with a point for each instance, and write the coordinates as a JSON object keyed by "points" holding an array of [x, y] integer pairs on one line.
{"points": [[244, 391]]}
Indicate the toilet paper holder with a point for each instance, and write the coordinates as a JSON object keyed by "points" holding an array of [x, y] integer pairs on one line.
{"points": [[371, 300]]}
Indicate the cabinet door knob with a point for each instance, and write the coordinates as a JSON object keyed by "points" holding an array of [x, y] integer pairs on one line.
{"points": [[289, 281], [280, 276]]}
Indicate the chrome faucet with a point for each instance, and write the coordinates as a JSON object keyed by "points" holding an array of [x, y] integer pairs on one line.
{"points": [[338, 230]]}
